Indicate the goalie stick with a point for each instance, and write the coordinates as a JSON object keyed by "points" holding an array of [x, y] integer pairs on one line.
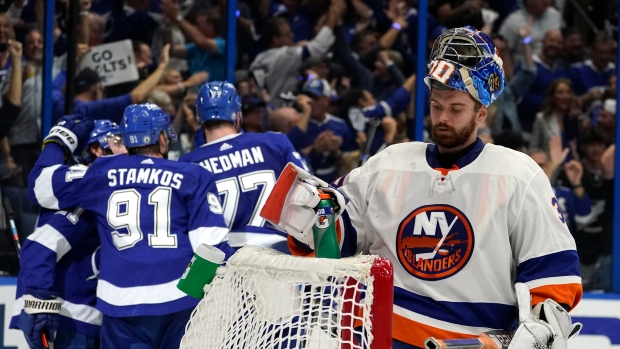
{"points": [[11, 216], [486, 340], [374, 124]]}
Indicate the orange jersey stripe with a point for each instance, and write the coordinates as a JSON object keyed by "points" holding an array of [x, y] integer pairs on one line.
{"points": [[296, 250], [569, 294], [415, 333]]}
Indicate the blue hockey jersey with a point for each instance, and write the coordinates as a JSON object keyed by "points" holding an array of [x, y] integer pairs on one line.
{"points": [[245, 167], [572, 206], [151, 215], [61, 256]]}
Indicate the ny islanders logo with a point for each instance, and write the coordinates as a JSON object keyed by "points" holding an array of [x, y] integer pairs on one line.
{"points": [[434, 242]]}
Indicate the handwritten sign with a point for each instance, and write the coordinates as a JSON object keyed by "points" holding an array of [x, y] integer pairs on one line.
{"points": [[114, 62]]}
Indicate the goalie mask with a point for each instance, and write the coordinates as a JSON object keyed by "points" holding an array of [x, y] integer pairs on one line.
{"points": [[465, 59]]}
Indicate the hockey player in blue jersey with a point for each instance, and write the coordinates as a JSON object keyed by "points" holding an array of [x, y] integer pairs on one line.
{"points": [[59, 262], [152, 214], [245, 166]]}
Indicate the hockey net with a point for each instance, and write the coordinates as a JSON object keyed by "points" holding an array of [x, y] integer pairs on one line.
{"points": [[263, 299]]}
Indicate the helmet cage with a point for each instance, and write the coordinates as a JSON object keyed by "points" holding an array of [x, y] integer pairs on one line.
{"points": [[465, 59]]}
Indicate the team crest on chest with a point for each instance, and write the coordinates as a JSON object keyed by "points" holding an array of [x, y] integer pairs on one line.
{"points": [[434, 242]]}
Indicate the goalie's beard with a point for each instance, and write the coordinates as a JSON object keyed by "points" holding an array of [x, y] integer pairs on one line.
{"points": [[453, 138]]}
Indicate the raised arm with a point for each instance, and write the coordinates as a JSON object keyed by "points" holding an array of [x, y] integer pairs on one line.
{"points": [[447, 14], [387, 40], [393, 69], [361, 75], [181, 87], [14, 95], [83, 27], [171, 10], [139, 93], [361, 8], [608, 160], [50, 183], [321, 43], [14, 11], [178, 51]]}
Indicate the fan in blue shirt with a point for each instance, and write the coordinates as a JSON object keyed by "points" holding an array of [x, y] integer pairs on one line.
{"points": [[207, 50], [590, 77], [320, 136]]}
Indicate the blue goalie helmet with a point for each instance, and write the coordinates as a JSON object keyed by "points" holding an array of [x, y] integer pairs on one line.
{"points": [[103, 129], [218, 100], [465, 59], [143, 123]]}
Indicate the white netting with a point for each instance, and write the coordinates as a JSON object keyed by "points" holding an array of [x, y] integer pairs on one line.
{"points": [[267, 300]]}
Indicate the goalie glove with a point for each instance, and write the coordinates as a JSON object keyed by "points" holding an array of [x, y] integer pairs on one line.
{"points": [[71, 133], [548, 323], [40, 316], [291, 206]]}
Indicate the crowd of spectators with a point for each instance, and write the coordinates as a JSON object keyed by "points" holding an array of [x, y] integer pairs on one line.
{"points": [[325, 72]]}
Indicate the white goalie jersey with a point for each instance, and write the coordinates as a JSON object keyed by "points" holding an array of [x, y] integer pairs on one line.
{"points": [[459, 238]]}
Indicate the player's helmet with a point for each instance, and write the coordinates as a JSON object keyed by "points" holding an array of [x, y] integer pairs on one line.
{"points": [[218, 100], [103, 129], [465, 59], [143, 123]]}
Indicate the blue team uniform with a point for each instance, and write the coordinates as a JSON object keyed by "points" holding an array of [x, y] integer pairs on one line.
{"points": [[325, 166], [533, 99], [572, 206], [106, 108], [143, 254], [61, 257], [245, 167], [586, 77]]}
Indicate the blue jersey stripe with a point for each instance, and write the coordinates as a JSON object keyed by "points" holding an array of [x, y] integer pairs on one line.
{"points": [[563, 263], [349, 244], [139, 309], [491, 315]]}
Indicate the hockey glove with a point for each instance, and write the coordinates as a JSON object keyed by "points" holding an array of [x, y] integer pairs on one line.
{"points": [[71, 132], [291, 206], [548, 323], [40, 315]]}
